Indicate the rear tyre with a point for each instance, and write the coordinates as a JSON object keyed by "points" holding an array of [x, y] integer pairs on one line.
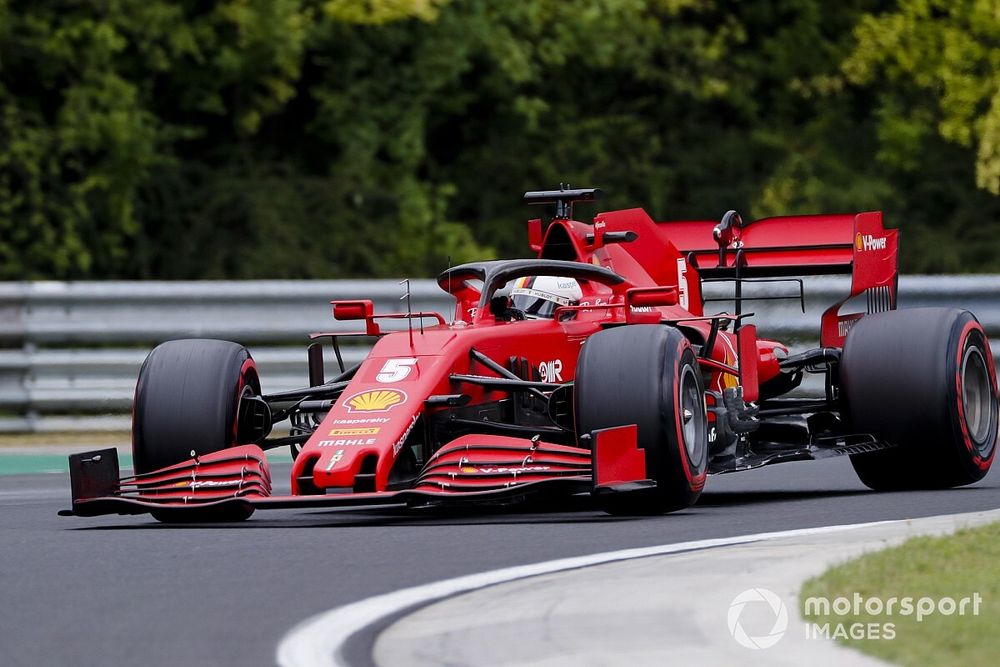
{"points": [[187, 399], [647, 375], [925, 380]]}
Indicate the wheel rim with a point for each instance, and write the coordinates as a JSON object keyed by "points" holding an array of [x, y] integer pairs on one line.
{"points": [[977, 399], [692, 416]]}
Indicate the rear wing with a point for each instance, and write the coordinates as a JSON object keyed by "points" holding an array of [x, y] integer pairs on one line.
{"points": [[789, 246]]}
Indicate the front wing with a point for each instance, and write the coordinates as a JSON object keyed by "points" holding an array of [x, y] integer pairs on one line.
{"points": [[473, 470]]}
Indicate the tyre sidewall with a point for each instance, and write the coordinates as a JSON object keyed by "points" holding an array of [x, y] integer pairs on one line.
{"points": [[967, 454], [673, 462]]}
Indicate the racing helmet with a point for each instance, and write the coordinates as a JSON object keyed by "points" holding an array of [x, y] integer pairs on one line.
{"points": [[539, 296]]}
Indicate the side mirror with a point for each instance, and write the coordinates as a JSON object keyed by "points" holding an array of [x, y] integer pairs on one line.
{"points": [[362, 309], [651, 297], [641, 302]]}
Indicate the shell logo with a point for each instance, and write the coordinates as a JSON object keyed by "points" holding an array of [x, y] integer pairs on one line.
{"points": [[859, 242], [376, 400]]}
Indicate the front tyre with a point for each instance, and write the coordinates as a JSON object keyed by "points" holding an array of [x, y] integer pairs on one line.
{"points": [[187, 399], [647, 375], [923, 379]]}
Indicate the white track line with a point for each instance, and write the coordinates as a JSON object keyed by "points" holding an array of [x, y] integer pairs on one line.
{"points": [[319, 641]]}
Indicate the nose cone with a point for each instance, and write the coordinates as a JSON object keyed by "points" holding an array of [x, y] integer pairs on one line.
{"points": [[361, 435]]}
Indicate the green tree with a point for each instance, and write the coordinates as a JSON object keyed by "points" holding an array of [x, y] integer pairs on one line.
{"points": [[329, 138], [936, 64], [933, 71], [95, 99]]}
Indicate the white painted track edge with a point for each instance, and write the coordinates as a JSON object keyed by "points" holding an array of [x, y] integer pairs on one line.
{"points": [[319, 640]]}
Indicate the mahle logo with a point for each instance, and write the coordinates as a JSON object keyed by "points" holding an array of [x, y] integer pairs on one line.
{"points": [[756, 602], [869, 242]]}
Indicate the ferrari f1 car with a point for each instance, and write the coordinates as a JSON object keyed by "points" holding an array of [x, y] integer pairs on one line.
{"points": [[593, 369]]}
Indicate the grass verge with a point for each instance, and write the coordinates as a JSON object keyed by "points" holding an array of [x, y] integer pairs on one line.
{"points": [[104, 438], [955, 566]]}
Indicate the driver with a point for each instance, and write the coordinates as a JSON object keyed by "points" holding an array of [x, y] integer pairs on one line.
{"points": [[539, 296]]}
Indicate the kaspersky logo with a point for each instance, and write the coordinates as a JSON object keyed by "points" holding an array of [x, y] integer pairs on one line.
{"points": [[869, 242]]}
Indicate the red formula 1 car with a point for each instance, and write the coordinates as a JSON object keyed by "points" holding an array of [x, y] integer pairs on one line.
{"points": [[593, 369]]}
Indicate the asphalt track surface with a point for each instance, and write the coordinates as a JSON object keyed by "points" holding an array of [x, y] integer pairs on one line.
{"points": [[129, 591]]}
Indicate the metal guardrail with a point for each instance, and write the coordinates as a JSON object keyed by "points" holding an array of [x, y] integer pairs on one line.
{"points": [[71, 351]]}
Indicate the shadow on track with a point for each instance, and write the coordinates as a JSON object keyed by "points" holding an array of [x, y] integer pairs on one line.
{"points": [[355, 518], [738, 498], [734, 498], [572, 511]]}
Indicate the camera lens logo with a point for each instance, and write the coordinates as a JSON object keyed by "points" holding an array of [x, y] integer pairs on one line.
{"points": [[771, 605]]}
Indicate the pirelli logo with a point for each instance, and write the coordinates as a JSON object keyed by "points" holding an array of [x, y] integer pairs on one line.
{"points": [[355, 431]]}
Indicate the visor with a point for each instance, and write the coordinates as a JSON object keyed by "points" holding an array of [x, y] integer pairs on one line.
{"points": [[534, 303]]}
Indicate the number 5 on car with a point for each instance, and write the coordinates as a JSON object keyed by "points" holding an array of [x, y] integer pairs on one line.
{"points": [[395, 370]]}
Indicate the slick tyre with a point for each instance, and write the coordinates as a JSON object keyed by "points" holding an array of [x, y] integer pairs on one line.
{"points": [[923, 379], [647, 375], [187, 399]]}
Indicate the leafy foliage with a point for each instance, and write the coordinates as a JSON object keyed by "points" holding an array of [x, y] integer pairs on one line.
{"points": [[934, 68], [327, 138]]}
